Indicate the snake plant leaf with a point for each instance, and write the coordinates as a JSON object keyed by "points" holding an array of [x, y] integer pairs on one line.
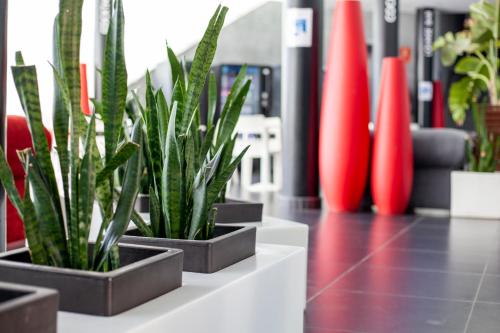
{"points": [[86, 187], [202, 61], [212, 100], [227, 154], [235, 89], [175, 66], [123, 153], [19, 58], [138, 102], [153, 126], [38, 254], [25, 79], [155, 212], [185, 73], [196, 129], [207, 144], [191, 160], [219, 182], [125, 205], [68, 58], [199, 216], [178, 99], [172, 189], [52, 235], [144, 229], [163, 115], [230, 119], [61, 118], [213, 165], [114, 83], [7, 180], [70, 29], [226, 158], [97, 107]]}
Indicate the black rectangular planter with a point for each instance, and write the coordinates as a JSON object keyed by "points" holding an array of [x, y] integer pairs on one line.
{"points": [[25, 309], [229, 245], [238, 211], [144, 273]]}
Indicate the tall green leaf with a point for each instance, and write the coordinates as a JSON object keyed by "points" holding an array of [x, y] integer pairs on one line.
{"points": [[212, 100], [219, 182], [123, 153], [114, 83], [163, 115], [7, 180], [235, 89], [125, 205], [173, 189], [25, 79], [231, 116], [199, 216], [153, 129], [52, 234], [86, 196], [175, 66], [202, 61]]}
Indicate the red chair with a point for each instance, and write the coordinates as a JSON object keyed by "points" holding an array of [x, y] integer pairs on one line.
{"points": [[18, 138]]}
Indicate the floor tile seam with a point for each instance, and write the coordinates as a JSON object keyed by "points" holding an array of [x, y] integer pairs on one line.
{"points": [[467, 323], [430, 298], [420, 250], [428, 270], [334, 329], [366, 258], [487, 302]]}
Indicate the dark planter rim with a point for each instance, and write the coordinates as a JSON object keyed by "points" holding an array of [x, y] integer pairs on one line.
{"points": [[195, 242], [166, 252], [32, 294]]}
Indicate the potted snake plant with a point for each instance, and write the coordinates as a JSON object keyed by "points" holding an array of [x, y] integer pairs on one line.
{"points": [[188, 168], [475, 192], [229, 210], [91, 277]]}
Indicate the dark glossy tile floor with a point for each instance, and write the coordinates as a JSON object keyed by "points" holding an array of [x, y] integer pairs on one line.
{"points": [[403, 274], [370, 273]]}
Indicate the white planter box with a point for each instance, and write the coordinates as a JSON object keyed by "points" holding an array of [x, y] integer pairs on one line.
{"points": [[475, 194]]}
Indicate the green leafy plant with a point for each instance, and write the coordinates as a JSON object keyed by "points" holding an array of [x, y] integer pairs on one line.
{"points": [[57, 227], [477, 46], [188, 168]]}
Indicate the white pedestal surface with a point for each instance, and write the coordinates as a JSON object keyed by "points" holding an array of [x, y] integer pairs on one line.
{"points": [[273, 230], [262, 294]]}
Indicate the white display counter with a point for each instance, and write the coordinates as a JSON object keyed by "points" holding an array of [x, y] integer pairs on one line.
{"points": [[262, 294]]}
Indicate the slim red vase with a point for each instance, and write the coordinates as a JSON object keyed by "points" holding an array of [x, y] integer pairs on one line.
{"points": [[344, 136], [84, 95], [392, 162]]}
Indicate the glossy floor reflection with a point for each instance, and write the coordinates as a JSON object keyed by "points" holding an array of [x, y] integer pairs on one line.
{"points": [[369, 273], [404, 274]]}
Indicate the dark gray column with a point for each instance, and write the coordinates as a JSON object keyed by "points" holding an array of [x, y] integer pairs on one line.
{"points": [[3, 97], [300, 101], [385, 42]]}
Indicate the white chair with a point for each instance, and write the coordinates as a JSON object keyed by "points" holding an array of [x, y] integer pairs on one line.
{"points": [[263, 135]]}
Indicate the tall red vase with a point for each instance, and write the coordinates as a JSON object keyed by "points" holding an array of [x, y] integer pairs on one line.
{"points": [[344, 136], [392, 161]]}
